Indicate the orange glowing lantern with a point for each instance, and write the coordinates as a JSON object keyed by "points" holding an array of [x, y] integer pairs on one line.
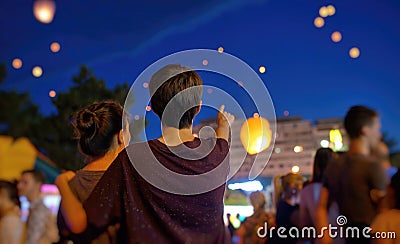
{"points": [[255, 135], [44, 10]]}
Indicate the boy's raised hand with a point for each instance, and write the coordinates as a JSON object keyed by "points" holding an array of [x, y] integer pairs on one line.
{"points": [[225, 119]]}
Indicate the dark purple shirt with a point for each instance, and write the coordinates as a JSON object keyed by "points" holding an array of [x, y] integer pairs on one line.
{"points": [[151, 215]]}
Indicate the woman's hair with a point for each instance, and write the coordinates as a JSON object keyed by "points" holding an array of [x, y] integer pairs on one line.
{"points": [[96, 125], [282, 184], [322, 158], [12, 191]]}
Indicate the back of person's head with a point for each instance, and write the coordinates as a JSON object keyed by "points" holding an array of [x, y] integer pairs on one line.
{"points": [[356, 118], [322, 158], [180, 88], [11, 190], [291, 184], [257, 200], [96, 126], [286, 186], [395, 185], [37, 175]]}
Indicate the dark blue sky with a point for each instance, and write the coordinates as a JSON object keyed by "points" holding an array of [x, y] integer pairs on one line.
{"points": [[307, 74]]}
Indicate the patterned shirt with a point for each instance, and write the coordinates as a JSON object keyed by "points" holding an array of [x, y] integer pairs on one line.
{"points": [[36, 223]]}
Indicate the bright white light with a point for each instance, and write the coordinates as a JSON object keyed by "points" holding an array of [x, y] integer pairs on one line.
{"points": [[324, 143], [338, 145], [254, 185], [295, 169], [298, 149]]}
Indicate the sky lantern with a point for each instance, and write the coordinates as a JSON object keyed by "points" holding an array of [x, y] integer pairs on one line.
{"points": [[17, 63], [44, 10], [336, 36], [354, 52], [262, 69], [319, 22], [55, 47], [37, 71], [255, 135]]}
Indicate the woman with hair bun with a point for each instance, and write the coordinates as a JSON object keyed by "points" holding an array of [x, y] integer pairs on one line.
{"points": [[98, 129]]}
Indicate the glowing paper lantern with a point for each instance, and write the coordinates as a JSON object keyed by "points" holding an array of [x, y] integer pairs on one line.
{"points": [[52, 93], [37, 71], [262, 69], [220, 49], [44, 10], [354, 52], [336, 36], [255, 135], [331, 10], [323, 12], [17, 63], [55, 47], [319, 22]]}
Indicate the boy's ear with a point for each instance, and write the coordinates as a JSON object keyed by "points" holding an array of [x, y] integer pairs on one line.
{"points": [[120, 137]]}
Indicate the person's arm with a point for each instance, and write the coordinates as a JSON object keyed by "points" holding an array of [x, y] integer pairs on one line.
{"points": [[224, 121], [379, 182], [71, 208], [321, 215]]}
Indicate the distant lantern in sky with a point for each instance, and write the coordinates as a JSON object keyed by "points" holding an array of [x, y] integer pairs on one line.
{"points": [[319, 22], [145, 85], [17, 63], [209, 90], [44, 10], [55, 47], [205, 62], [37, 71], [136, 117], [331, 10], [336, 36], [52, 93], [148, 108], [255, 135], [323, 12], [262, 69], [220, 49], [354, 52]]}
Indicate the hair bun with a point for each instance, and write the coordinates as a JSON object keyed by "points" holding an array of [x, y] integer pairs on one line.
{"points": [[86, 122]]}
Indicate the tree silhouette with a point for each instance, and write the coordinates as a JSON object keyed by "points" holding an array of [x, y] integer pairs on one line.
{"points": [[53, 134]]}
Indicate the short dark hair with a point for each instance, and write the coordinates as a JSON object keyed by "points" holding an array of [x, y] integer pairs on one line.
{"points": [[356, 118], [165, 84], [12, 191], [322, 158], [96, 125], [38, 176]]}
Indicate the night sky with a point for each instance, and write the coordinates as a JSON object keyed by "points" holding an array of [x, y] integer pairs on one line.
{"points": [[306, 74]]}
